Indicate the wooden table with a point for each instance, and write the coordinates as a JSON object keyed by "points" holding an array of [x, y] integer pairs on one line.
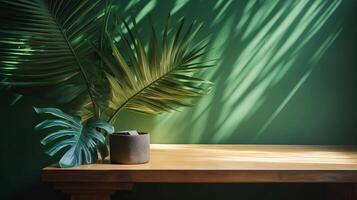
{"points": [[214, 164]]}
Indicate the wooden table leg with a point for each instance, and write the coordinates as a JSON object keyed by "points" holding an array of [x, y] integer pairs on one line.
{"points": [[92, 190], [342, 191], [354, 192], [104, 196]]}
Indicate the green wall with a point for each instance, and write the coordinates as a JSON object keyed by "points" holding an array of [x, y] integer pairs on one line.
{"points": [[286, 75]]}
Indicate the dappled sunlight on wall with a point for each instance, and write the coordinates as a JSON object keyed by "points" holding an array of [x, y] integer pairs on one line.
{"points": [[262, 46]]}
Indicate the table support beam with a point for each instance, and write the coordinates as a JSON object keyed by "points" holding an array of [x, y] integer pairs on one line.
{"points": [[91, 190], [341, 191]]}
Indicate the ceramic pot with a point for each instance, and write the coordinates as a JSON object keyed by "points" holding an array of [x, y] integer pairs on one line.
{"points": [[129, 149]]}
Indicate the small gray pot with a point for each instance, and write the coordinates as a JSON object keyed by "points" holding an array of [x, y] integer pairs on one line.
{"points": [[129, 149]]}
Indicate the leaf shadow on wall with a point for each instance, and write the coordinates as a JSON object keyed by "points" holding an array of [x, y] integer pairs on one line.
{"points": [[267, 50]]}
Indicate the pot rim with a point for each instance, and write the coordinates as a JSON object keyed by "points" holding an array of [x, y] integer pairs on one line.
{"points": [[141, 134]]}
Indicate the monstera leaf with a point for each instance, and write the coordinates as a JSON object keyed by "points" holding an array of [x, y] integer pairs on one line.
{"points": [[79, 141], [44, 50], [155, 79]]}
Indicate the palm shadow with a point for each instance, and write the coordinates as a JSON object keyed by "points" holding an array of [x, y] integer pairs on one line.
{"points": [[238, 31]]}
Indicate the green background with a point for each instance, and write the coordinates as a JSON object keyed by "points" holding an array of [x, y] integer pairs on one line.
{"points": [[285, 75]]}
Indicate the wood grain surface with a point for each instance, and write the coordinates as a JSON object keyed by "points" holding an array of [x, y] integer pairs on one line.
{"points": [[176, 163]]}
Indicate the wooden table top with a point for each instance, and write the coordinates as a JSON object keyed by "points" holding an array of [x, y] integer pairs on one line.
{"points": [[223, 164]]}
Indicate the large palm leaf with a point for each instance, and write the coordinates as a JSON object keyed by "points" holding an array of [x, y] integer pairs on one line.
{"points": [[155, 79], [44, 49]]}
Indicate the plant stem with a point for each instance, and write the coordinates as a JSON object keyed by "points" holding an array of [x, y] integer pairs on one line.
{"points": [[81, 69]]}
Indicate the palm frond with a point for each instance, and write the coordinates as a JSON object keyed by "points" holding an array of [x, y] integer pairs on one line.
{"points": [[79, 141], [43, 45], [154, 80]]}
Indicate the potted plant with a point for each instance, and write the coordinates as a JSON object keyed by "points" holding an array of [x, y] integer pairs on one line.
{"points": [[129, 147], [68, 55]]}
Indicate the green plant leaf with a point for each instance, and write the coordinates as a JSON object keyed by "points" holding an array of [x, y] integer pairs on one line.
{"points": [[80, 141], [155, 80], [44, 51], [58, 113]]}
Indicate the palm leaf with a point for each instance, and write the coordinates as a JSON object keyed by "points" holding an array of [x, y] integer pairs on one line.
{"points": [[79, 141], [155, 80], [44, 49]]}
